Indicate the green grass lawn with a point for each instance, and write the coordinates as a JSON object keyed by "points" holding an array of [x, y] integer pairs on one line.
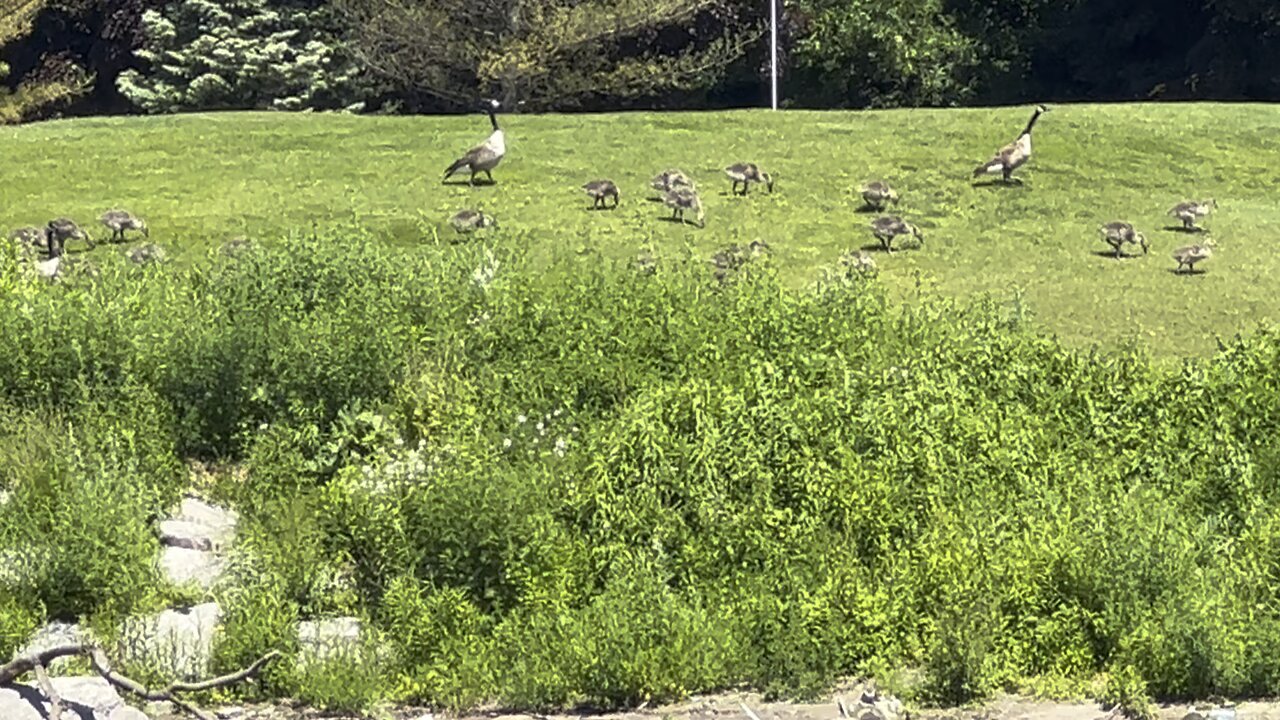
{"points": [[200, 179]]}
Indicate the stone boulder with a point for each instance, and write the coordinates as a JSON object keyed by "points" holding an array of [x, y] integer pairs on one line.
{"points": [[178, 643], [83, 698], [193, 541]]}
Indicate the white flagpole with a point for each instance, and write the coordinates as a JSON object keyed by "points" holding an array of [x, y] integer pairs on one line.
{"points": [[773, 57]]}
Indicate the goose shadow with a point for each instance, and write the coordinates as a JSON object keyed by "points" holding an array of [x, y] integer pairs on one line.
{"points": [[478, 183], [598, 208], [998, 184], [1111, 255], [869, 209], [678, 221], [1183, 229], [1188, 273], [877, 247]]}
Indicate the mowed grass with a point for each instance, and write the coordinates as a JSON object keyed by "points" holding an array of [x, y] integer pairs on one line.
{"points": [[200, 179]]}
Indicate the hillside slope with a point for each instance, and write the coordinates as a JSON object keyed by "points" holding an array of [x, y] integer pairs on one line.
{"points": [[199, 179]]}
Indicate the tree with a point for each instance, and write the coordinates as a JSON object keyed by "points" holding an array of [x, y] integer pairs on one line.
{"points": [[54, 79], [241, 54], [547, 53]]}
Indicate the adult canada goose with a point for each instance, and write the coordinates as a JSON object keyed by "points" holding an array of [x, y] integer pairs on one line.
{"points": [[601, 189], [49, 268], [485, 156], [1188, 212], [121, 220], [886, 228], [681, 199], [65, 229], [878, 194], [465, 221], [1116, 234], [747, 173], [1014, 155], [1189, 255], [670, 180]]}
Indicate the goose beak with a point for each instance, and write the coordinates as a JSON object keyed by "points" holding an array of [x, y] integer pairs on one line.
{"points": [[146, 232]]}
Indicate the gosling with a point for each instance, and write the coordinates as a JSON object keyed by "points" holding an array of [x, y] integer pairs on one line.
{"points": [[1116, 234], [745, 174], [669, 180], [466, 221], [885, 229], [878, 194], [682, 199], [64, 229], [119, 221], [601, 189], [1189, 212], [1189, 255]]}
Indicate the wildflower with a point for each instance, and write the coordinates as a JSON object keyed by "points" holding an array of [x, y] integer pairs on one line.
{"points": [[561, 446], [541, 427], [506, 443], [521, 419], [399, 441]]}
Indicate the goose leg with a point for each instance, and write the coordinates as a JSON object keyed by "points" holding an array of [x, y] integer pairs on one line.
{"points": [[473, 178], [490, 176]]}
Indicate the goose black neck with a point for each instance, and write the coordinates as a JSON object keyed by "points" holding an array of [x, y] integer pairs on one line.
{"points": [[493, 119], [1032, 122]]}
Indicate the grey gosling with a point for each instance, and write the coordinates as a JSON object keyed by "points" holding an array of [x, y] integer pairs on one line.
{"points": [[885, 229], [1188, 212], [1116, 234], [146, 254], [119, 221], [484, 157], [1014, 155], [601, 189], [682, 199], [31, 237], [1189, 255], [65, 229], [747, 173], [466, 221], [878, 194], [668, 180], [733, 257]]}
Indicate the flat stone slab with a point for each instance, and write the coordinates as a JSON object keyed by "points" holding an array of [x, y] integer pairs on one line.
{"points": [[179, 643], [83, 698], [183, 565], [199, 526], [328, 639]]}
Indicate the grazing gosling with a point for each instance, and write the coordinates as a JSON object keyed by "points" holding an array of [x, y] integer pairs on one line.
{"points": [[465, 221], [601, 189], [1014, 155], [747, 173], [1189, 255], [31, 237], [119, 221], [885, 229], [1188, 212], [146, 254], [878, 194], [682, 199], [1116, 234], [65, 229], [484, 157], [669, 180]]}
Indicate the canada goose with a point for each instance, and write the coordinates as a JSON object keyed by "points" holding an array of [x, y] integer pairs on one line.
{"points": [[1189, 255], [1014, 155], [1116, 234], [121, 220], [485, 156], [1187, 212], [735, 256], [465, 221], [889, 227], [31, 237], [601, 189], [682, 199], [857, 262], [670, 180], [146, 254], [747, 173], [49, 268], [65, 229], [878, 194]]}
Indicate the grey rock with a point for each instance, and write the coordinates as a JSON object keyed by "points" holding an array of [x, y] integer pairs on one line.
{"points": [[53, 635], [182, 565], [178, 643], [83, 698], [198, 524]]}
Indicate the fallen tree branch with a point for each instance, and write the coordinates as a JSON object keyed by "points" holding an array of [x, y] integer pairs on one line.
{"points": [[37, 662]]}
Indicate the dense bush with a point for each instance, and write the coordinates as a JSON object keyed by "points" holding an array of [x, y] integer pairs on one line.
{"points": [[590, 484]]}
